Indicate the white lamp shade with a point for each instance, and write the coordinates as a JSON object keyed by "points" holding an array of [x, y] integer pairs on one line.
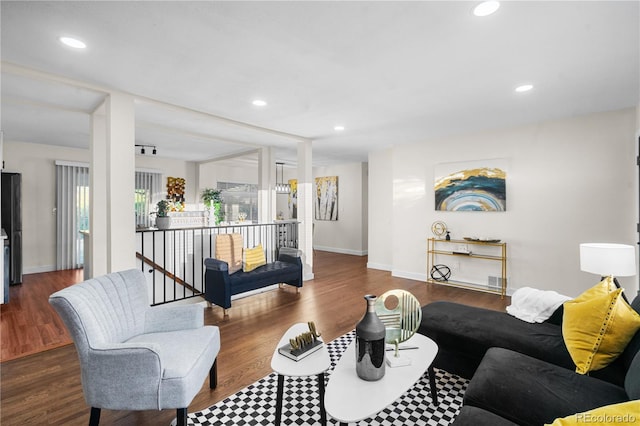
{"points": [[607, 259]]}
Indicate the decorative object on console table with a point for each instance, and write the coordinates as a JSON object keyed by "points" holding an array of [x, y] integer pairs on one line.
{"points": [[608, 260], [370, 350], [439, 228], [440, 272], [482, 250], [302, 345], [163, 220]]}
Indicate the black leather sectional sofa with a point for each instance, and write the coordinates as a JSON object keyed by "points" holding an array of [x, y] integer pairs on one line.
{"points": [[522, 373]]}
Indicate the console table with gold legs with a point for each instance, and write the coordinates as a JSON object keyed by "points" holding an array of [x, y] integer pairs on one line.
{"points": [[494, 251]]}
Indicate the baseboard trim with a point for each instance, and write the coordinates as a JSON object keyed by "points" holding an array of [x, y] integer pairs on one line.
{"points": [[39, 269], [380, 266], [341, 250], [409, 275]]}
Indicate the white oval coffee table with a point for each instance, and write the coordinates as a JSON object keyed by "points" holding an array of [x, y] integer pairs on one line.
{"points": [[348, 398], [313, 365]]}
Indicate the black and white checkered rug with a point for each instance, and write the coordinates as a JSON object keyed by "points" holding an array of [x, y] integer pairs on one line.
{"points": [[255, 404]]}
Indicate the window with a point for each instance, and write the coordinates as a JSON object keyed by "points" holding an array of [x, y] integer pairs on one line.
{"points": [[237, 198], [147, 194], [72, 214]]}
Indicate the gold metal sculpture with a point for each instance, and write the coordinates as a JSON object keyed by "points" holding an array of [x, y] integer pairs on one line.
{"points": [[303, 344], [401, 321]]}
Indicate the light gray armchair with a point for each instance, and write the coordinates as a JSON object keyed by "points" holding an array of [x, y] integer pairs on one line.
{"points": [[133, 356]]}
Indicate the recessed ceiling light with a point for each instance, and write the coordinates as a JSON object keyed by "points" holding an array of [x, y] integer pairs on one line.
{"points": [[524, 88], [73, 42], [338, 128], [259, 102], [486, 8]]}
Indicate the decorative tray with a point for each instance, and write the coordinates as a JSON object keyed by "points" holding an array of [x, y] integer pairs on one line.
{"points": [[483, 240]]}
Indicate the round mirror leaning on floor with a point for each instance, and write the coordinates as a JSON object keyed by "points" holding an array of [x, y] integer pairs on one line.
{"points": [[401, 314]]}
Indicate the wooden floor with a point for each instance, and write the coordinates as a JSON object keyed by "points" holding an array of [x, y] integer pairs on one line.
{"points": [[45, 388]]}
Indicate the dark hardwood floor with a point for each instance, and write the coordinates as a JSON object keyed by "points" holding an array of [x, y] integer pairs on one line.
{"points": [[28, 324], [45, 388]]}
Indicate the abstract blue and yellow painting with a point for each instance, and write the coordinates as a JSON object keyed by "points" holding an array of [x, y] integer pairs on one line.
{"points": [[471, 186]]}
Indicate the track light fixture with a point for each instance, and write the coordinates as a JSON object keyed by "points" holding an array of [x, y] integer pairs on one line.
{"points": [[143, 150]]}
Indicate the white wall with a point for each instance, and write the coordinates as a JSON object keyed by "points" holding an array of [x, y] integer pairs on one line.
{"points": [[211, 173], [349, 234], [36, 162], [380, 205], [568, 181]]}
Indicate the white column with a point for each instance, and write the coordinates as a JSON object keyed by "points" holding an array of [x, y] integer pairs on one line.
{"points": [[305, 206], [266, 185], [97, 262], [121, 182], [112, 219]]}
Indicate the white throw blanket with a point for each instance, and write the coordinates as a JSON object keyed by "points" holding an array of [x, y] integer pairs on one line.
{"points": [[533, 305]]}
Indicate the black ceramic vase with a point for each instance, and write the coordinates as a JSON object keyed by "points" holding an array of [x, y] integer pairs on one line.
{"points": [[370, 334]]}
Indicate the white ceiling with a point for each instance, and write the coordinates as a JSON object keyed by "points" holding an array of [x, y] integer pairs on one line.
{"points": [[390, 72]]}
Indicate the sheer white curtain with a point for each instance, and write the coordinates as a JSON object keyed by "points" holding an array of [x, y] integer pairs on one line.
{"points": [[72, 213], [148, 192]]}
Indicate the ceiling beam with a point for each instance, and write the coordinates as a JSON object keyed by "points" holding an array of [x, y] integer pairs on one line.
{"points": [[20, 70]]}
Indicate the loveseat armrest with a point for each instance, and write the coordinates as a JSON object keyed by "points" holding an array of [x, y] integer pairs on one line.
{"points": [[216, 265], [174, 318], [290, 255], [217, 282]]}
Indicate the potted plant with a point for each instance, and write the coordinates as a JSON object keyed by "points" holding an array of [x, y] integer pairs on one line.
{"points": [[212, 199], [163, 220]]}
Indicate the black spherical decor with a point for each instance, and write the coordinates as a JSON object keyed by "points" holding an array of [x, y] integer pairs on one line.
{"points": [[440, 273]]}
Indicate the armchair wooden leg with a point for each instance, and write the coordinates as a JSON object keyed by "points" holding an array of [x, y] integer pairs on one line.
{"points": [[181, 419], [94, 418], [213, 375]]}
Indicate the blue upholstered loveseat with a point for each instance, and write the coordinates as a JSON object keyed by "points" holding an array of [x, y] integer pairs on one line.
{"points": [[220, 286], [522, 373]]}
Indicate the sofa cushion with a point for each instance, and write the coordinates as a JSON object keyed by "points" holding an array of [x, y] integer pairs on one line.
{"points": [[252, 258], [229, 249], [632, 380], [474, 416], [532, 392], [597, 326], [622, 413], [271, 273], [471, 331]]}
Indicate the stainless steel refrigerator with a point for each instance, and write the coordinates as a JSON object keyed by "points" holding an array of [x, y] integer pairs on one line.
{"points": [[12, 223]]}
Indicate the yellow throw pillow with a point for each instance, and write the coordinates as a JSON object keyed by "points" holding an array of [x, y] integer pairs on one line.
{"points": [[597, 326], [252, 258], [229, 249], [627, 413], [603, 288]]}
